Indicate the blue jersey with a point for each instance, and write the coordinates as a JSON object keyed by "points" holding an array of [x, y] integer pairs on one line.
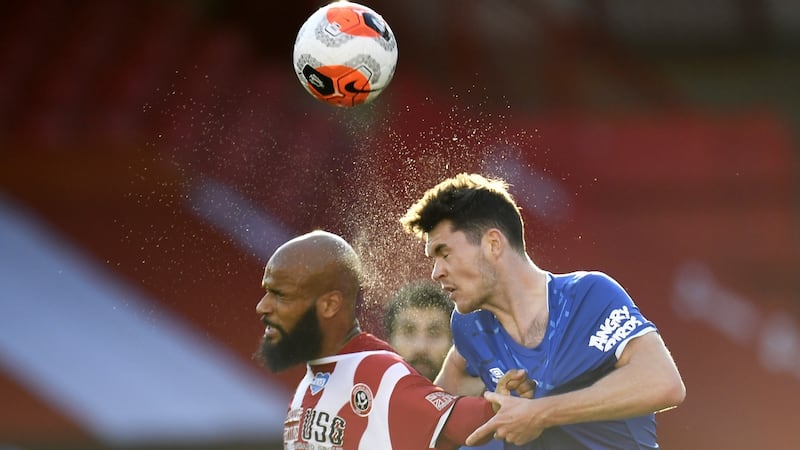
{"points": [[591, 318]]}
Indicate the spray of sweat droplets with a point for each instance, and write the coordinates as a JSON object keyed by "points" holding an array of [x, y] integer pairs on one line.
{"points": [[399, 155], [264, 165]]}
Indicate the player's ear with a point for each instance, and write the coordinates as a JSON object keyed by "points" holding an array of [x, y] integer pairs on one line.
{"points": [[494, 242], [329, 304]]}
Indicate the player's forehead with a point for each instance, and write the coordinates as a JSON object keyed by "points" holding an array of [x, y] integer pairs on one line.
{"points": [[422, 316], [281, 277], [442, 237]]}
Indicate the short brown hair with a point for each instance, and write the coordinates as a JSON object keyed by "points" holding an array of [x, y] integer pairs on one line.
{"points": [[474, 204]]}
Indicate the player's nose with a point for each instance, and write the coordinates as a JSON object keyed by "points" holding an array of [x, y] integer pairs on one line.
{"points": [[265, 305], [438, 272]]}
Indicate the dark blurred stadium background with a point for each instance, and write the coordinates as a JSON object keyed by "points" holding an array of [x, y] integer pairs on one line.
{"points": [[153, 154]]}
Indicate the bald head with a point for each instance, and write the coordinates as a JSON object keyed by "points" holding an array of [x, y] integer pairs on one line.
{"points": [[311, 284], [320, 262]]}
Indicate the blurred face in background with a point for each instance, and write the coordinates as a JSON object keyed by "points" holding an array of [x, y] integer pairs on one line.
{"points": [[422, 337]]}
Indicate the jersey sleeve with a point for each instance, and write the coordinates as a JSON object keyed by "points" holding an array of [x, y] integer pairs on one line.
{"points": [[613, 317], [467, 415], [422, 415]]}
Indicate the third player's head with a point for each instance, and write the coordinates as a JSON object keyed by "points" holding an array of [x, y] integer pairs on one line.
{"points": [[417, 324], [471, 224]]}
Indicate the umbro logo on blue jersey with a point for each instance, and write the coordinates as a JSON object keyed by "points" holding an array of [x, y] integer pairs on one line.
{"points": [[496, 374]]}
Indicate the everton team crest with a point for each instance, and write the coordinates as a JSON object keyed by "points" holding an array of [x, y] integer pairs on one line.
{"points": [[319, 382], [361, 399]]}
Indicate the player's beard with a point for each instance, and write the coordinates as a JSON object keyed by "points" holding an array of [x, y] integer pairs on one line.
{"points": [[301, 344], [425, 366]]}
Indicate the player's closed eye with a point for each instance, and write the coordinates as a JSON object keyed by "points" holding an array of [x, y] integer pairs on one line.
{"points": [[277, 295], [437, 332], [408, 330]]}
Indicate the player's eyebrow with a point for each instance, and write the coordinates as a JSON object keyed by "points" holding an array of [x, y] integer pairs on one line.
{"points": [[271, 288], [437, 250]]}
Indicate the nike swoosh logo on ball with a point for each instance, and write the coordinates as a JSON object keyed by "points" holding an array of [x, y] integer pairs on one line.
{"points": [[351, 88]]}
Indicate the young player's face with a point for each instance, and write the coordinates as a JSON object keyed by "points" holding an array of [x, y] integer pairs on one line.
{"points": [[422, 337], [460, 267], [292, 334]]}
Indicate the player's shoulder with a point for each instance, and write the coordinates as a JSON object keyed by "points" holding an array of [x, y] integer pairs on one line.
{"points": [[389, 370], [583, 279], [380, 358], [372, 367]]}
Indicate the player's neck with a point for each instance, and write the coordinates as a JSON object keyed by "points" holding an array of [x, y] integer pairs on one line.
{"points": [[527, 306], [355, 330], [339, 340]]}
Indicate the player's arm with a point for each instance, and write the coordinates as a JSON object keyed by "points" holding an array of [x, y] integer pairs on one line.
{"points": [[471, 412], [453, 376], [468, 414], [645, 380]]}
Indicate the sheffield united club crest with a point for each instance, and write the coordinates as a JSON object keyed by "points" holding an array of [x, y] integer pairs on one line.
{"points": [[361, 399]]}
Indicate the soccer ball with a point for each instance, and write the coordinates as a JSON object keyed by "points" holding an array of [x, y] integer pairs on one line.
{"points": [[345, 54]]}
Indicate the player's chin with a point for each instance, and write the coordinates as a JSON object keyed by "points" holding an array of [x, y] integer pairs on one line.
{"points": [[425, 368], [262, 354], [465, 307]]}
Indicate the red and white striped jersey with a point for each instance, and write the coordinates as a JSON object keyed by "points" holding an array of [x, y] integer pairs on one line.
{"points": [[368, 398]]}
